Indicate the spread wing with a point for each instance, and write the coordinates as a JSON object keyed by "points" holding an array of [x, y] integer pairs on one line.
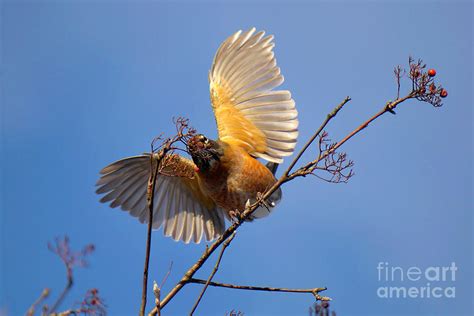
{"points": [[180, 206], [248, 111]]}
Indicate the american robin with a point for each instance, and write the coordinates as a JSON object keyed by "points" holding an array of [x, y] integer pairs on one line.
{"points": [[253, 121]]}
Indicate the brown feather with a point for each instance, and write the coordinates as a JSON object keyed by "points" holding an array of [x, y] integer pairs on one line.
{"points": [[237, 178]]}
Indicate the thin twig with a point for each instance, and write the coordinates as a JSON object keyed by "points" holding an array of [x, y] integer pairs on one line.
{"points": [[308, 168], [165, 278], [67, 288], [389, 107], [155, 161], [258, 288], [44, 294], [157, 293], [157, 289], [68, 312], [329, 117], [70, 259], [209, 279], [183, 132]]}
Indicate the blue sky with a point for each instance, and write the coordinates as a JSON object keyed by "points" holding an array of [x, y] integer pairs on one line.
{"points": [[84, 83]]}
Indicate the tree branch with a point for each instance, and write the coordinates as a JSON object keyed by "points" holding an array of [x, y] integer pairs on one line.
{"points": [[216, 267], [157, 289], [44, 294], [154, 166], [183, 131], [247, 212], [92, 304], [389, 107], [157, 293], [67, 288], [329, 117], [423, 89], [70, 260], [311, 166], [313, 291]]}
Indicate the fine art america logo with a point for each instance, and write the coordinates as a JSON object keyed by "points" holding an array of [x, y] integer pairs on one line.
{"points": [[416, 282]]}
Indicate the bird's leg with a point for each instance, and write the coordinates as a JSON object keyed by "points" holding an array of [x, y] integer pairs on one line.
{"points": [[262, 202]]}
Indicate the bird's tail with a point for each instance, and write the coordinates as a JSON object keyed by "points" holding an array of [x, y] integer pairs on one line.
{"points": [[272, 166], [274, 199]]}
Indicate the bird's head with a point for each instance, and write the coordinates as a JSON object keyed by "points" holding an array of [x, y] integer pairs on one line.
{"points": [[206, 153]]}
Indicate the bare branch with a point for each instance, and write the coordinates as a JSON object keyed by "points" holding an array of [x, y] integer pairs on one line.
{"points": [[159, 154], [157, 289], [154, 166], [216, 267], [70, 260], [309, 167], [92, 305], [335, 163], [314, 291], [157, 293], [165, 278], [244, 215], [399, 73], [329, 117], [44, 295]]}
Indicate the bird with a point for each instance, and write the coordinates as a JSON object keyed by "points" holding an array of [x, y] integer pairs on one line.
{"points": [[255, 122]]}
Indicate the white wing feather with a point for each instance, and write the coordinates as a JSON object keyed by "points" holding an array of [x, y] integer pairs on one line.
{"points": [[245, 67], [176, 209]]}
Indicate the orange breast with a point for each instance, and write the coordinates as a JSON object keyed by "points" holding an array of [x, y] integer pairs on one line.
{"points": [[237, 178]]}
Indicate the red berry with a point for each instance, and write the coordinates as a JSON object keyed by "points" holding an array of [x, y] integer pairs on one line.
{"points": [[431, 72], [443, 93], [422, 90]]}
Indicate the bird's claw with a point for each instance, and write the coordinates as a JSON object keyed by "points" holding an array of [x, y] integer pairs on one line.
{"points": [[235, 216], [262, 202]]}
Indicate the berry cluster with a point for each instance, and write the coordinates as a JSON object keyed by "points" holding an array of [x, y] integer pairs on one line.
{"points": [[321, 309], [92, 304], [424, 87]]}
